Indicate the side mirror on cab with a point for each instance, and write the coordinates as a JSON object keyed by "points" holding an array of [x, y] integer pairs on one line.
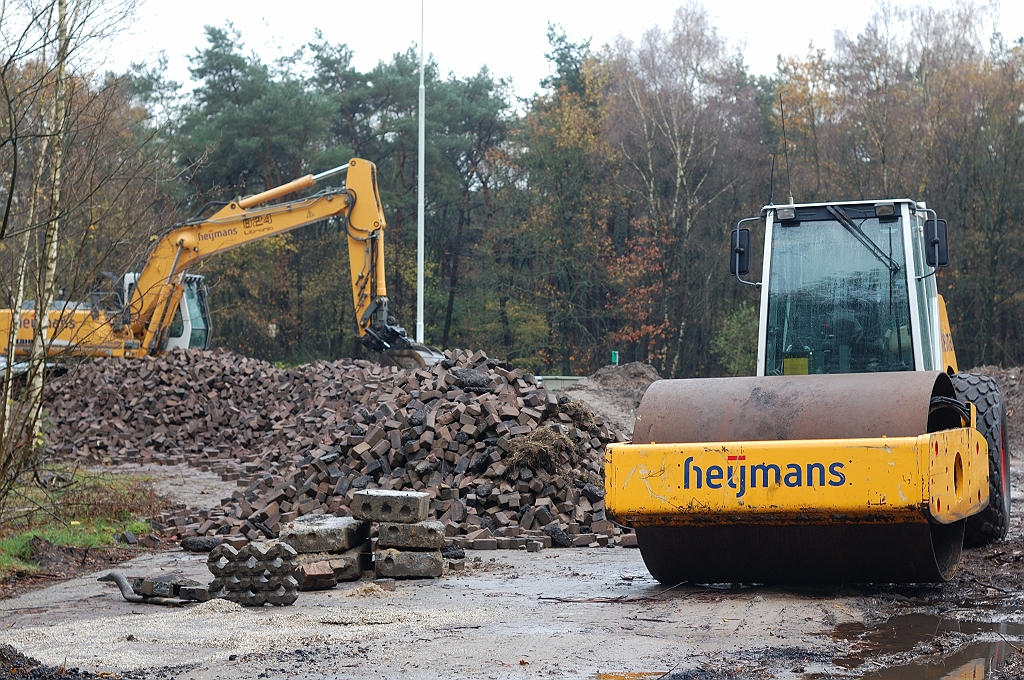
{"points": [[739, 254], [936, 248]]}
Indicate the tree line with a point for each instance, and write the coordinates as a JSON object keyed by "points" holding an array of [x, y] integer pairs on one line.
{"points": [[592, 217]]}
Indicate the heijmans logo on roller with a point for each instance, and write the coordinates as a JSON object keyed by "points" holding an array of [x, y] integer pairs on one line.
{"points": [[737, 474]]}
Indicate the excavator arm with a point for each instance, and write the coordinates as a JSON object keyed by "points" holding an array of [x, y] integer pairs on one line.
{"points": [[160, 285]]}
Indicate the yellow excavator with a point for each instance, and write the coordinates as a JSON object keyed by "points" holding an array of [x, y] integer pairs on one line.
{"points": [[162, 307], [858, 453]]}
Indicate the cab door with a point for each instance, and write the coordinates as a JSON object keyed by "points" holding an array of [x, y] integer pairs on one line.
{"points": [[926, 312], [190, 328]]}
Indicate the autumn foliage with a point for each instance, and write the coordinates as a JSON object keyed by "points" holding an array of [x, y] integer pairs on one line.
{"points": [[596, 215]]}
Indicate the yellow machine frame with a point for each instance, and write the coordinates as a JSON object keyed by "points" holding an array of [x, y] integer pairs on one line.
{"points": [[940, 477]]}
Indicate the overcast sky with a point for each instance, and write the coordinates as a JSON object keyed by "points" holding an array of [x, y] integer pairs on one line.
{"points": [[507, 36]]}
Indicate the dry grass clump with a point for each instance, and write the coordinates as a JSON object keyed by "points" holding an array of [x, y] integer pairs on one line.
{"points": [[581, 415], [64, 494], [544, 448], [112, 497]]}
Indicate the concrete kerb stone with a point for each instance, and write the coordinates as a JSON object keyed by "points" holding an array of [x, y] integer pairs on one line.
{"points": [[382, 505], [324, 533], [427, 535], [391, 563]]}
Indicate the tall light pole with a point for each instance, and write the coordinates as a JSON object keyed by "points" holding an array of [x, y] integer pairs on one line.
{"points": [[419, 192]]}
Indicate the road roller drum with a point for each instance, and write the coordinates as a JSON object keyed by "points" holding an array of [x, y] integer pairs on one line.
{"points": [[805, 478]]}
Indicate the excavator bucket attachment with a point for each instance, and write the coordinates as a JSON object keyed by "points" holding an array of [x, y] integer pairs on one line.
{"points": [[411, 357], [800, 479]]}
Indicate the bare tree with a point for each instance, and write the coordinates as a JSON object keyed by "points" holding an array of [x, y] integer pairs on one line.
{"points": [[72, 157], [680, 112]]}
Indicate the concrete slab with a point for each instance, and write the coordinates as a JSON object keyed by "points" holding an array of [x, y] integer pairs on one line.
{"points": [[391, 563], [381, 505], [427, 535], [324, 533]]}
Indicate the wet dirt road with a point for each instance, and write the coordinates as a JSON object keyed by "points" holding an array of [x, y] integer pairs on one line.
{"points": [[563, 612]]}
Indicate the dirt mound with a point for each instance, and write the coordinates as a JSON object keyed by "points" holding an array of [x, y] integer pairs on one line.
{"points": [[615, 391], [14, 664], [633, 376]]}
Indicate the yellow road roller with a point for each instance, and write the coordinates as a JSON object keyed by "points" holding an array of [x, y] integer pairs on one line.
{"points": [[858, 453]]}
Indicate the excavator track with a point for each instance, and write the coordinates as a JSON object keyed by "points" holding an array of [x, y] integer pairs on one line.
{"points": [[864, 525]]}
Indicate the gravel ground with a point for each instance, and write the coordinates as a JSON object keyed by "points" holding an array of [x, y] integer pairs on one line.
{"points": [[561, 612]]}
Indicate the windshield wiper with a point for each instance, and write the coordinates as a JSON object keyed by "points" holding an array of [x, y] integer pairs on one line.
{"points": [[858, 234]]}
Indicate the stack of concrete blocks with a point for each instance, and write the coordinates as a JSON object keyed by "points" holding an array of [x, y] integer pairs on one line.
{"points": [[408, 546], [330, 549], [260, 573]]}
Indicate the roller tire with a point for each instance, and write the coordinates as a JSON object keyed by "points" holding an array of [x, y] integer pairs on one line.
{"points": [[990, 524]]}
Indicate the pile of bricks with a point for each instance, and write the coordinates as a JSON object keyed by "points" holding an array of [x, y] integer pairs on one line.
{"points": [[304, 441]]}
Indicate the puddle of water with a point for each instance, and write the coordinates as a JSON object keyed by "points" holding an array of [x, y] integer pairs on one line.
{"points": [[902, 633], [974, 662]]}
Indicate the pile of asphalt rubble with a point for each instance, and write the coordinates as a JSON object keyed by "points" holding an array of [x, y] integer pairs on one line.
{"points": [[504, 462]]}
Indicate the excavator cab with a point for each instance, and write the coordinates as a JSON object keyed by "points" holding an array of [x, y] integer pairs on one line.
{"points": [[192, 325]]}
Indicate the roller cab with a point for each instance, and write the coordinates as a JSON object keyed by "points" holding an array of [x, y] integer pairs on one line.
{"points": [[850, 457]]}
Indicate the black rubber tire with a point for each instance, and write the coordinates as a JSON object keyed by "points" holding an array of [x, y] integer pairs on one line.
{"points": [[990, 524]]}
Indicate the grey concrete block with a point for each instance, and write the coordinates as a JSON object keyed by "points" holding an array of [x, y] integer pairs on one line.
{"points": [[381, 505], [391, 563], [427, 535], [196, 593], [258, 573], [324, 533]]}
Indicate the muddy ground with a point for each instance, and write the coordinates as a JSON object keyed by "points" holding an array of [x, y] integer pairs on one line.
{"points": [[560, 613], [615, 392]]}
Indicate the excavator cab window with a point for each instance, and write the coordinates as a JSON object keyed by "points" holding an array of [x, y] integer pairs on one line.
{"points": [[177, 327], [837, 295], [196, 300]]}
